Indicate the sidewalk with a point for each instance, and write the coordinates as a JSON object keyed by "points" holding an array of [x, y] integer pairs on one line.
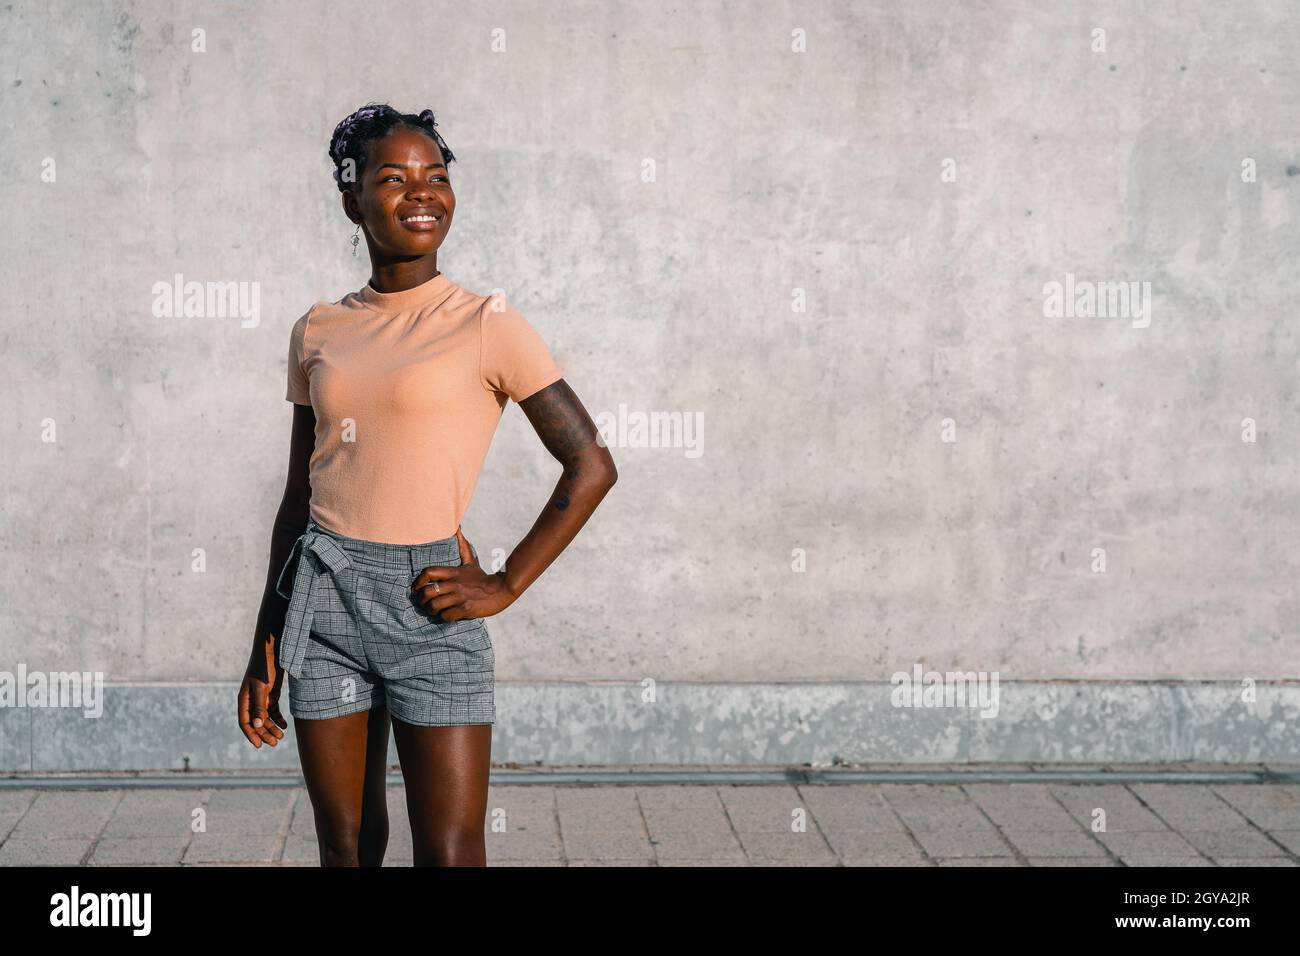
{"points": [[960, 823]]}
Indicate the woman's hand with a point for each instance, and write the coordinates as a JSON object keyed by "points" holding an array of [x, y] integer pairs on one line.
{"points": [[462, 592], [259, 696]]}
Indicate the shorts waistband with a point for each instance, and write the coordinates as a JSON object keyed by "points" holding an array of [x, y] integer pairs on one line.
{"points": [[396, 558]]}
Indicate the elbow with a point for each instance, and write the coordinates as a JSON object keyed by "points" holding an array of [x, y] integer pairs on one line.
{"points": [[602, 468], [609, 472]]}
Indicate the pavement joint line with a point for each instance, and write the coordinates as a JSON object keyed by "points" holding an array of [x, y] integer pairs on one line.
{"points": [[617, 778]]}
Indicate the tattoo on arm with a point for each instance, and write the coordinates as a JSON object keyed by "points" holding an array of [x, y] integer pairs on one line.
{"points": [[565, 429]]}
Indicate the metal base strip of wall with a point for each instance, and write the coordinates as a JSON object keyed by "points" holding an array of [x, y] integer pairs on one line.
{"points": [[192, 727], [613, 777]]}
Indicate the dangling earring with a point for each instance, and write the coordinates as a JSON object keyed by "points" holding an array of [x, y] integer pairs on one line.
{"points": [[355, 240]]}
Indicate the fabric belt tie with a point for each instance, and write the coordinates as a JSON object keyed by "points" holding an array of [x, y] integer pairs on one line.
{"points": [[318, 554]]}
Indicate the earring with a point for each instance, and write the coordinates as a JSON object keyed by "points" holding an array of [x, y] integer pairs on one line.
{"points": [[355, 240]]}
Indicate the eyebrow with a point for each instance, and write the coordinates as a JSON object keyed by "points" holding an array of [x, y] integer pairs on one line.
{"points": [[400, 166]]}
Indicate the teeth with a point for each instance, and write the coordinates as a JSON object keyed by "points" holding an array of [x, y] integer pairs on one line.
{"points": [[420, 219]]}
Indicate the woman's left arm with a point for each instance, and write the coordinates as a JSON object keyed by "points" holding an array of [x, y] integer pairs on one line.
{"points": [[569, 434]]}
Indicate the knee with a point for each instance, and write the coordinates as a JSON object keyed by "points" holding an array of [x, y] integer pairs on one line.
{"points": [[340, 842], [456, 846]]}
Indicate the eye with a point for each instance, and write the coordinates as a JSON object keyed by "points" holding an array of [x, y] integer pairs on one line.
{"points": [[393, 177]]}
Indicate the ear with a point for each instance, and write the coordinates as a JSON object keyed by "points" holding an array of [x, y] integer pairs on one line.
{"points": [[350, 207]]}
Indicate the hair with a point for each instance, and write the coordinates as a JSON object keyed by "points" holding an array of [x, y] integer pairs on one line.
{"points": [[353, 136]]}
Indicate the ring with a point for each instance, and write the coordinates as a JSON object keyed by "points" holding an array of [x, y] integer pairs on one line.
{"points": [[436, 588]]}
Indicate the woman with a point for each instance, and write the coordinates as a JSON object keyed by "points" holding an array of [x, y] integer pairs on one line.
{"points": [[398, 389]]}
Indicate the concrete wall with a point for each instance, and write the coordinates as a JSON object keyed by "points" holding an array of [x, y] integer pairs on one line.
{"points": [[822, 230]]}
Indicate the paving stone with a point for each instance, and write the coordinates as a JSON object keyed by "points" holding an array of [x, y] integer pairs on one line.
{"points": [[1288, 838], [1164, 861], [722, 861], [611, 862], [940, 844], [1189, 807], [979, 861], [1232, 843], [1043, 843], [524, 846], [1270, 807], [17, 801], [44, 851], [1021, 806], [137, 851], [232, 848], [1147, 843], [673, 797], [299, 848], [848, 825], [8, 821], [1124, 813], [805, 848], [64, 815], [1071, 861], [687, 820], [697, 845], [606, 844], [492, 862], [878, 861], [1263, 861], [771, 809], [622, 820], [855, 844], [851, 808], [248, 812], [157, 813]]}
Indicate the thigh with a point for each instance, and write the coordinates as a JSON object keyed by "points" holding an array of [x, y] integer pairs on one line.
{"points": [[344, 762], [446, 773]]}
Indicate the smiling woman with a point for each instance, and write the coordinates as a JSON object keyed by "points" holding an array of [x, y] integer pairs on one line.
{"points": [[376, 602]]}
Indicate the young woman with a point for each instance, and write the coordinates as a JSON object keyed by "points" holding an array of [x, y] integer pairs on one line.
{"points": [[375, 601]]}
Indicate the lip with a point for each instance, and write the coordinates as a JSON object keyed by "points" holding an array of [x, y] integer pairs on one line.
{"points": [[421, 225]]}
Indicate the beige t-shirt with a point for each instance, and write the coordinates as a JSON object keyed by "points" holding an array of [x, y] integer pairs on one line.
{"points": [[408, 388]]}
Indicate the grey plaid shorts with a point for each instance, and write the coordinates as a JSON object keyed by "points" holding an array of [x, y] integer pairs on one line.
{"points": [[355, 637]]}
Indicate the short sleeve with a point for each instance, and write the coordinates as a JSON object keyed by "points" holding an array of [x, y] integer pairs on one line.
{"points": [[513, 357], [298, 391]]}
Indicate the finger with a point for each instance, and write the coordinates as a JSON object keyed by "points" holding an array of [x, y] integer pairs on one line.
{"points": [[249, 707], [257, 710], [438, 572], [435, 600], [451, 607], [466, 555], [280, 725], [244, 725]]}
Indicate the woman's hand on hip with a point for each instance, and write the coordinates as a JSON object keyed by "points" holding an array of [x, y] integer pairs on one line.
{"points": [[462, 592]]}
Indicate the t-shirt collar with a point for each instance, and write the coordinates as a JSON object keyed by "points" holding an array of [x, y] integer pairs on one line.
{"points": [[430, 292]]}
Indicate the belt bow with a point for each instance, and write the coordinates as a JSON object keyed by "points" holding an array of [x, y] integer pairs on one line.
{"points": [[317, 554]]}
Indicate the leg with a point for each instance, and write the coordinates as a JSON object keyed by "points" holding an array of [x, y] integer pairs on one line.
{"points": [[446, 771], [344, 760]]}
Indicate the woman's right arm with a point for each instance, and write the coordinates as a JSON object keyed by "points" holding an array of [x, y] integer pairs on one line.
{"points": [[259, 696]]}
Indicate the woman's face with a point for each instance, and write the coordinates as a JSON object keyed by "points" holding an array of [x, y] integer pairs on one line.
{"points": [[404, 202]]}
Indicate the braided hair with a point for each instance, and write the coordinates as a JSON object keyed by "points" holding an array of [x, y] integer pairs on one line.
{"points": [[353, 136]]}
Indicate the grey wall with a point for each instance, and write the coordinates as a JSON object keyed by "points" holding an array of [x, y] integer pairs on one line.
{"points": [[819, 180]]}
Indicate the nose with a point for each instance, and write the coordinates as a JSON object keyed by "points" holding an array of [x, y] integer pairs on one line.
{"points": [[419, 190]]}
